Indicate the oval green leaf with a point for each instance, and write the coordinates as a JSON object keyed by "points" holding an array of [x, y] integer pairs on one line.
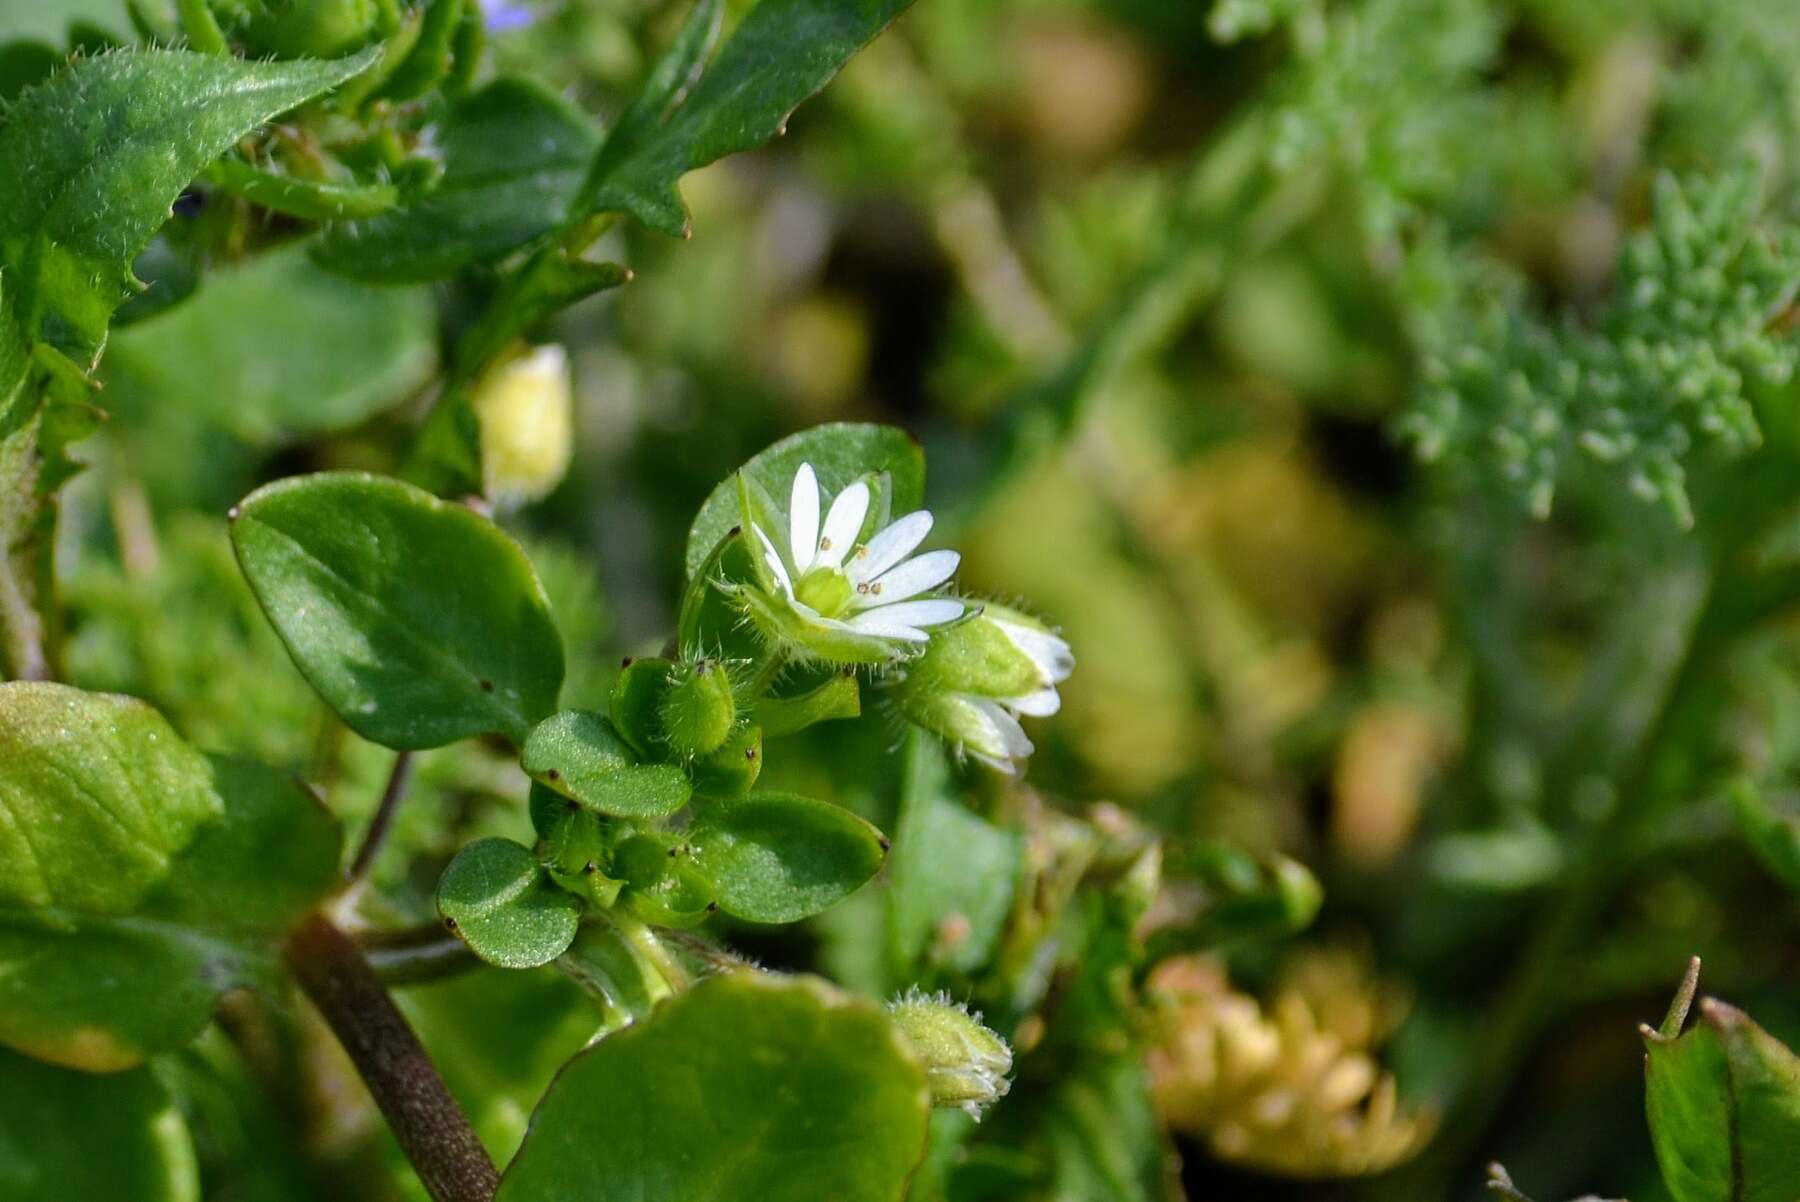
{"points": [[840, 453], [138, 879], [418, 621], [500, 901], [277, 348], [747, 1086], [581, 756], [775, 857]]}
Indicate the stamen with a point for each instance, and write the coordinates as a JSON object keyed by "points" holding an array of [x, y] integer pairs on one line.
{"points": [[824, 544]]}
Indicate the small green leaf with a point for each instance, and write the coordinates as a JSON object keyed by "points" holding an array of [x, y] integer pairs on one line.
{"points": [[1723, 1101], [839, 697], [581, 756], [138, 879], [780, 54], [954, 873], [747, 1086], [499, 900], [277, 348], [840, 453], [91, 160], [69, 1136], [774, 857], [513, 157], [418, 621]]}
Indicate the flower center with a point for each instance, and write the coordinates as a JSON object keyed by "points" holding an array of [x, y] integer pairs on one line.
{"points": [[827, 590]]}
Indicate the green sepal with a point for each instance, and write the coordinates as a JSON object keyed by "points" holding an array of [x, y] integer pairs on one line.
{"points": [[582, 756], [307, 29], [637, 703], [710, 622], [731, 770], [498, 899], [663, 887], [698, 709]]}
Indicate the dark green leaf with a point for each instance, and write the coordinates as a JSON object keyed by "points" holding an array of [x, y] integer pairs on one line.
{"points": [[68, 1136], [91, 160], [840, 453], [499, 900], [774, 857], [277, 348], [513, 157], [747, 1086], [139, 880], [780, 54], [954, 873], [419, 621], [581, 756]]}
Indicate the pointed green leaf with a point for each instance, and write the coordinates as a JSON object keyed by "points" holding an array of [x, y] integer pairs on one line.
{"points": [[840, 453], [500, 901], [67, 1136], [138, 880], [581, 756], [746, 1086], [775, 857], [91, 160], [417, 620], [513, 157], [780, 54], [1723, 1102]]}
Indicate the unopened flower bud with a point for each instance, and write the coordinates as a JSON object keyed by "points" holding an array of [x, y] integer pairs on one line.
{"points": [[310, 28], [965, 1062], [524, 405], [977, 677], [698, 709]]}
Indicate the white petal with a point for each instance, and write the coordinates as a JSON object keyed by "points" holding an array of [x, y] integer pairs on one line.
{"points": [[891, 544], [803, 518], [843, 524], [910, 613], [882, 630], [1040, 704], [1009, 734], [911, 578], [773, 559], [1052, 655]]}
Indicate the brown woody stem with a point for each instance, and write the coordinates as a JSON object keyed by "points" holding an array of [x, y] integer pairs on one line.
{"points": [[432, 1129]]}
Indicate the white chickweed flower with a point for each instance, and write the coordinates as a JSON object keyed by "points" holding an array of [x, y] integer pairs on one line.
{"points": [[846, 599], [977, 679]]}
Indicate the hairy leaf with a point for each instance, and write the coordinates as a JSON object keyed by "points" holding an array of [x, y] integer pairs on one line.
{"points": [[91, 160], [781, 53]]}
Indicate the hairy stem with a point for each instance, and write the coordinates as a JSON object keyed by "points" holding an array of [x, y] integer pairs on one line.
{"points": [[376, 835], [431, 1128]]}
